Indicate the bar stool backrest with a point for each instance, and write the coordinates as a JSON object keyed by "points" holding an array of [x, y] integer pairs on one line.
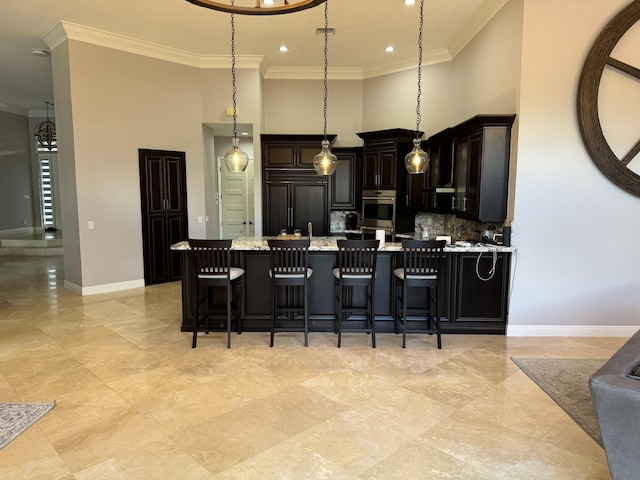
{"points": [[357, 258], [212, 259], [289, 258], [422, 259]]}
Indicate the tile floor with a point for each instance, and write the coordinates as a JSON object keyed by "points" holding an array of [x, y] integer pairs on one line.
{"points": [[134, 401]]}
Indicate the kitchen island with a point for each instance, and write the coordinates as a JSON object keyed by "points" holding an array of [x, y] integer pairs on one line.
{"points": [[471, 298]]}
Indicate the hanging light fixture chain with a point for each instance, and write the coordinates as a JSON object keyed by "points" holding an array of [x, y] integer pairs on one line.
{"points": [[233, 73], [420, 29], [326, 62]]}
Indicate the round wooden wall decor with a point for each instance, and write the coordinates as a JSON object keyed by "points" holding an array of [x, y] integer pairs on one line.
{"points": [[598, 58]]}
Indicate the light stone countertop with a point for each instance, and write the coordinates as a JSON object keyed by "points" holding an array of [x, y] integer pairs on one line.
{"points": [[328, 244]]}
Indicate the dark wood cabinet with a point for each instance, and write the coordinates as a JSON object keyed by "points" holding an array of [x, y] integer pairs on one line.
{"points": [[383, 169], [467, 303], [383, 158], [292, 205], [293, 194], [481, 155], [379, 168], [163, 195], [345, 182], [480, 300], [291, 151]]}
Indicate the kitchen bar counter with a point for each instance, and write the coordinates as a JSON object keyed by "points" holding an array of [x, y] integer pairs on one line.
{"points": [[471, 298], [329, 244]]}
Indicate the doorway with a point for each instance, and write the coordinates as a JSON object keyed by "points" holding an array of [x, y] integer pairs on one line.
{"points": [[237, 201]]}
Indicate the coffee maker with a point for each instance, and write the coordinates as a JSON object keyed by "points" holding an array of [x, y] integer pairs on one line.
{"points": [[351, 221]]}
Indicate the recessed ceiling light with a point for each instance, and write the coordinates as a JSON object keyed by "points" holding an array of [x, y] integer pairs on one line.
{"points": [[268, 2], [40, 53], [389, 48], [244, 133], [409, 2], [283, 48]]}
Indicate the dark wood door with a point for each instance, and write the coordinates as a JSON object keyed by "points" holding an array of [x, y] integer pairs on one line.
{"points": [[277, 208], [163, 197], [309, 204], [474, 167]]}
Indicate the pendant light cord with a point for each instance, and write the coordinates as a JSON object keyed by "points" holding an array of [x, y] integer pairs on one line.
{"points": [[233, 72], [418, 116], [326, 62]]}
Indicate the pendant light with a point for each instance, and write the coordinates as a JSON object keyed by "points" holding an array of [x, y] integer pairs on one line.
{"points": [[235, 159], [417, 160], [45, 133], [325, 162]]}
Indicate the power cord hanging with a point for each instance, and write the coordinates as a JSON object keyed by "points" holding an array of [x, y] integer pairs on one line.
{"points": [[492, 270]]}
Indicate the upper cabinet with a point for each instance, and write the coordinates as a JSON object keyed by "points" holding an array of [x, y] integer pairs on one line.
{"points": [[433, 190], [292, 193], [345, 182], [481, 167], [291, 151], [383, 158]]}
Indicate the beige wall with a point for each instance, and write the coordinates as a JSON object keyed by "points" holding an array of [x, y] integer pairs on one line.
{"points": [[120, 102], [296, 106], [575, 266]]}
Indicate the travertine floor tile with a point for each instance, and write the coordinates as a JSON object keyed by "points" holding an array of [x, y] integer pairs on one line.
{"points": [[135, 401]]}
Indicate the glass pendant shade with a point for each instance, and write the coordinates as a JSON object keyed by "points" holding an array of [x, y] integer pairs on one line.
{"points": [[235, 159], [325, 162], [417, 160]]}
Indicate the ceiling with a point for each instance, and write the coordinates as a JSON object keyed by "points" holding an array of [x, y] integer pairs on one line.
{"points": [[363, 28]]}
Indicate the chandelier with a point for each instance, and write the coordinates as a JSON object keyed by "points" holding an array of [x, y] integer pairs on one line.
{"points": [[325, 162], [417, 160], [45, 133], [259, 7]]}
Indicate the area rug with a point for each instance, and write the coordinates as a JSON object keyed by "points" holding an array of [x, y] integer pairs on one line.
{"points": [[15, 418], [566, 381]]}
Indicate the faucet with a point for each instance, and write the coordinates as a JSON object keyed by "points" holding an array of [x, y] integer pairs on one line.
{"points": [[310, 230]]}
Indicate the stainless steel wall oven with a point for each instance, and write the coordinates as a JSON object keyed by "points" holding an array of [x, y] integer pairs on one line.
{"points": [[378, 210]]}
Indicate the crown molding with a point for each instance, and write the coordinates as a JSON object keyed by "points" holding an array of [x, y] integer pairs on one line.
{"points": [[434, 57], [64, 31], [15, 110], [224, 61], [312, 73], [477, 22]]}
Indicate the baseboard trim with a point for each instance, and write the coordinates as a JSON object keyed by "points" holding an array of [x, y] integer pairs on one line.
{"points": [[106, 288], [571, 330]]}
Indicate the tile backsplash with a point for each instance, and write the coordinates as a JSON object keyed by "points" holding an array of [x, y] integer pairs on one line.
{"points": [[435, 224], [459, 228]]}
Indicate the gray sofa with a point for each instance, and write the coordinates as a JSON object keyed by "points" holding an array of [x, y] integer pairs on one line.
{"points": [[616, 399]]}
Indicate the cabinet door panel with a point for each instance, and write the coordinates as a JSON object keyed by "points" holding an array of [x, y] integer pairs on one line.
{"points": [[154, 185], [388, 170], [306, 153], [462, 153], [473, 175], [479, 300], [276, 208], [310, 205], [370, 171], [279, 155], [175, 184], [343, 182]]}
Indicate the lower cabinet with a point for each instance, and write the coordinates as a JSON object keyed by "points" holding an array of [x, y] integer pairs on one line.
{"points": [[469, 301], [479, 293]]}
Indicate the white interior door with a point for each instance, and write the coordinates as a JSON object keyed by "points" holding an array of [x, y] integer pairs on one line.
{"points": [[236, 202]]}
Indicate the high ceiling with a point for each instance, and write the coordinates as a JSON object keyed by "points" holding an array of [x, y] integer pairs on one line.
{"points": [[363, 28]]}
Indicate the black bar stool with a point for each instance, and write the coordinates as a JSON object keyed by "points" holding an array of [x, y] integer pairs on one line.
{"points": [[290, 268], [422, 262], [212, 267], [356, 268]]}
